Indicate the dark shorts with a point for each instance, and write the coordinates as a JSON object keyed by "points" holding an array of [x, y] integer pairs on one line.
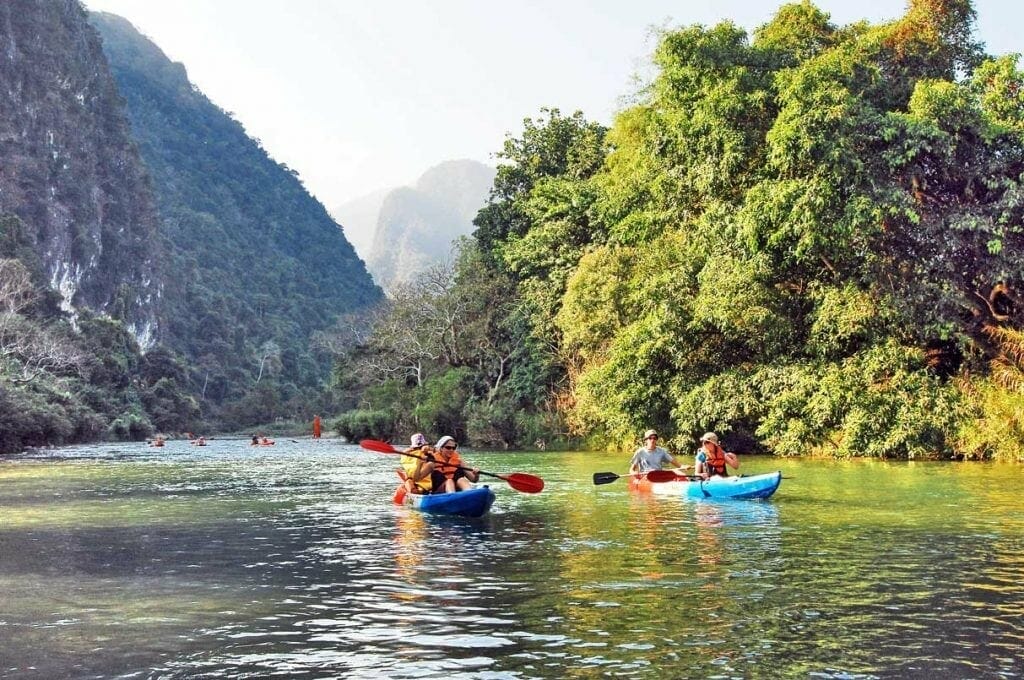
{"points": [[437, 480]]}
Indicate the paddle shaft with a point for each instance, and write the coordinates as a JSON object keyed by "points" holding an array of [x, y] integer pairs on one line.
{"points": [[652, 475], [457, 467], [517, 480]]}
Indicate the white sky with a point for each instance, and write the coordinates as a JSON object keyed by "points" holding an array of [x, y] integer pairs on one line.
{"points": [[358, 95]]}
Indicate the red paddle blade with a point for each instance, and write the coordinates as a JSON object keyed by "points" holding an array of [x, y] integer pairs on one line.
{"points": [[378, 446], [520, 481], [662, 476]]}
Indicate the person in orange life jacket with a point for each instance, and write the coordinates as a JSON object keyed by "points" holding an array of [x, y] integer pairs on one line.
{"points": [[712, 458], [650, 456], [446, 477], [417, 470]]}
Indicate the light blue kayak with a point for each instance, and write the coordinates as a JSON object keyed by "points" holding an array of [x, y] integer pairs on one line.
{"points": [[470, 503], [722, 488]]}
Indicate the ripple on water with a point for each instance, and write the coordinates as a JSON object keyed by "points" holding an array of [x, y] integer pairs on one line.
{"points": [[232, 563]]}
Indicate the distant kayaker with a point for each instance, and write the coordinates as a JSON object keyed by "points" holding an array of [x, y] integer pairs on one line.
{"points": [[316, 426], [711, 458], [650, 456], [446, 477], [417, 470], [255, 441]]}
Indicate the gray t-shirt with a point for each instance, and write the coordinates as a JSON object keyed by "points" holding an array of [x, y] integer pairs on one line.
{"points": [[650, 460]]}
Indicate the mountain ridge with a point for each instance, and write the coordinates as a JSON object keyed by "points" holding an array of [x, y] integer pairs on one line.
{"points": [[417, 225], [255, 258]]}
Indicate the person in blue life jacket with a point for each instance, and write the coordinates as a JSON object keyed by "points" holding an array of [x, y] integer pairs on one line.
{"points": [[712, 459], [650, 456]]}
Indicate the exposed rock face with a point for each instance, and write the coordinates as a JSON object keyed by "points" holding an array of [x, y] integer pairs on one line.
{"points": [[69, 168], [417, 226]]}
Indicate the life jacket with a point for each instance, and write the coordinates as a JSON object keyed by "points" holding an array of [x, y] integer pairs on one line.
{"points": [[715, 461], [445, 462], [409, 465]]}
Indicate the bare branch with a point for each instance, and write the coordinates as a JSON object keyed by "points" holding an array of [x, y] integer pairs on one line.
{"points": [[16, 289]]}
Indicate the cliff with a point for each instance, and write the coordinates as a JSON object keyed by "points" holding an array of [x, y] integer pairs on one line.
{"points": [[417, 225], [69, 168]]}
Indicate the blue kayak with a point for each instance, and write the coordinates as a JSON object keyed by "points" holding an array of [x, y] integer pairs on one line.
{"points": [[470, 503], [754, 486]]}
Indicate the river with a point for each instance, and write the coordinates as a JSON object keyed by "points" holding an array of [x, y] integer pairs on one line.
{"points": [[231, 561]]}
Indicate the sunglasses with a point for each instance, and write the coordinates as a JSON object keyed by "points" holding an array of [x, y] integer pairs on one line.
{"points": [[451, 448], [652, 437]]}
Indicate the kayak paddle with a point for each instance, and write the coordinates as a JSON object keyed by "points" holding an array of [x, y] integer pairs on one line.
{"points": [[653, 475], [520, 481]]}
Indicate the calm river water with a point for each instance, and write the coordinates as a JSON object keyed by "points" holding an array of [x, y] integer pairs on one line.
{"points": [[289, 561]]}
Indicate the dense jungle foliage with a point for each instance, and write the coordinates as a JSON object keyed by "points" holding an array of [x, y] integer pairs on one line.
{"points": [[806, 239]]}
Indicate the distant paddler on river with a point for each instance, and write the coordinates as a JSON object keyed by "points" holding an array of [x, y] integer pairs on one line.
{"points": [[159, 441], [316, 426]]}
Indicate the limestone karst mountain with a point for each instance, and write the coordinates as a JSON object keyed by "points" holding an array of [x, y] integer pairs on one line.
{"points": [[417, 225], [70, 171]]}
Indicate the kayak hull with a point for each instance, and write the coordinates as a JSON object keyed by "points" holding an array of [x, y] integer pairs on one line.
{"points": [[470, 503], [719, 488]]}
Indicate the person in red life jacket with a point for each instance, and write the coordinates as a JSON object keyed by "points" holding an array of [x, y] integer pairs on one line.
{"points": [[447, 477], [316, 426], [712, 458], [418, 469]]}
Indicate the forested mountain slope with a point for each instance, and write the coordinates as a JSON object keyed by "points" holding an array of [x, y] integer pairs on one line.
{"points": [[255, 264]]}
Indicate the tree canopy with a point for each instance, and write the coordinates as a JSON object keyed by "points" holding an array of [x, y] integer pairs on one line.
{"points": [[804, 238]]}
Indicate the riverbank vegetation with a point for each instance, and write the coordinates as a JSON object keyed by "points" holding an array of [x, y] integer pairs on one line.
{"points": [[806, 238]]}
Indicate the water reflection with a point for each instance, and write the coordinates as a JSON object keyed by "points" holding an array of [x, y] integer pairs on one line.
{"points": [[229, 562]]}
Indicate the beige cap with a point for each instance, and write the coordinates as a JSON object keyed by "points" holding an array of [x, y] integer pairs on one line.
{"points": [[649, 434], [709, 437]]}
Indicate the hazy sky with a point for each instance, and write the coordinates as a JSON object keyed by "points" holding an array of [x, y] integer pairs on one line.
{"points": [[357, 95]]}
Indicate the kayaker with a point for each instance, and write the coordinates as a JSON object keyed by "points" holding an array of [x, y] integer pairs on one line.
{"points": [[711, 458], [446, 477], [417, 470], [650, 456]]}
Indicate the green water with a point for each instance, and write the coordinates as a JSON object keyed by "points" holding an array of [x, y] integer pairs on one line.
{"points": [[290, 561]]}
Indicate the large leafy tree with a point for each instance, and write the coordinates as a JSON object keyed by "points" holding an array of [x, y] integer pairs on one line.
{"points": [[797, 224]]}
